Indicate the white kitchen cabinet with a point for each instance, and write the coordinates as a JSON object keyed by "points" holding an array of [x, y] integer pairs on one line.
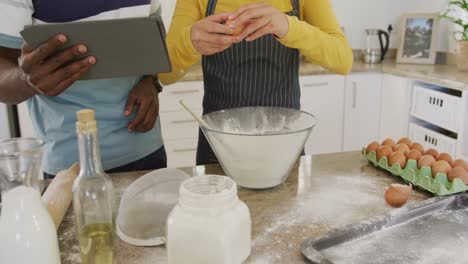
{"points": [[25, 122], [432, 139], [181, 152], [394, 118], [323, 96], [433, 105], [179, 130], [462, 151], [5, 124], [190, 92], [363, 94], [179, 125]]}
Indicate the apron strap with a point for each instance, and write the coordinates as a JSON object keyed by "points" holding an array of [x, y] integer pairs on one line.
{"points": [[296, 5], [211, 7]]}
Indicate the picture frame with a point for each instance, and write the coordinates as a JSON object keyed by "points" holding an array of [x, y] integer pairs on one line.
{"points": [[418, 38]]}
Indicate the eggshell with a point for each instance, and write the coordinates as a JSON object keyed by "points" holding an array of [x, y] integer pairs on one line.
{"points": [[402, 147], [458, 172], [426, 161], [384, 151], [397, 194], [413, 155], [238, 29], [417, 147], [433, 152], [374, 146], [441, 166], [406, 141], [397, 157], [460, 163], [388, 142], [446, 157]]}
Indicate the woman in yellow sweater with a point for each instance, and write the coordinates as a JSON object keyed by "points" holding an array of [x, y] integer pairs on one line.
{"points": [[260, 65]]}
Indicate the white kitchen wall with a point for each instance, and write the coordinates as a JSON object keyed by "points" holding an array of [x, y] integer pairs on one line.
{"points": [[357, 15]]}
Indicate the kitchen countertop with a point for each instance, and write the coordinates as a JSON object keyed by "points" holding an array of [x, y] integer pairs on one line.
{"points": [[439, 74], [322, 193]]}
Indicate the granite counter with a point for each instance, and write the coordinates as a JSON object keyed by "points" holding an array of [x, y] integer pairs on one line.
{"points": [[322, 193]]}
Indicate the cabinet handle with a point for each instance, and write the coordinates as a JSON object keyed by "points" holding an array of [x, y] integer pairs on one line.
{"points": [[354, 95], [185, 150], [318, 84], [183, 122], [185, 92]]}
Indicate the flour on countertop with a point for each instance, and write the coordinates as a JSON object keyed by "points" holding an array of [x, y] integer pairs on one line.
{"points": [[342, 200]]}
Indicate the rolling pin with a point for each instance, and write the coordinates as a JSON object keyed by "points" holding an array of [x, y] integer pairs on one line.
{"points": [[58, 195]]}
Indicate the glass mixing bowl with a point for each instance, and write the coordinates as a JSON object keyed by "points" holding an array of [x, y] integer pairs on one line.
{"points": [[258, 146]]}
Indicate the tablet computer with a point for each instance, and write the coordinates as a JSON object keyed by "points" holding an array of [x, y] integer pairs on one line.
{"points": [[122, 47]]}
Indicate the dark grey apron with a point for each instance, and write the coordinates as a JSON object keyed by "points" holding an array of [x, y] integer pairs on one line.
{"points": [[259, 73]]}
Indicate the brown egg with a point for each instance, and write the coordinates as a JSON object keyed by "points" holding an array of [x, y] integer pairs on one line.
{"points": [[460, 163], [402, 147], [389, 142], [238, 29], [374, 146], [441, 166], [397, 157], [446, 157], [417, 147], [397, 194], [384, 151], [406, 141], [458, 172], [433, 152], [414, 155], [426, 161]]}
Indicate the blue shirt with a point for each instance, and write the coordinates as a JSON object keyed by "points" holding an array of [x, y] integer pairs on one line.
{"points": [[54, 117]]}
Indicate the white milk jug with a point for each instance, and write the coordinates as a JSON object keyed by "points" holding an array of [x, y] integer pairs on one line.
{"points": [[27, 232]]}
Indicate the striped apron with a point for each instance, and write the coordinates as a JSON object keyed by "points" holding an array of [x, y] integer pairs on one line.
{"points": [[263, 72]]}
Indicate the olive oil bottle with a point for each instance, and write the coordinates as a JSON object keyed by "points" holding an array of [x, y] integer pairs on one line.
{"points": [[93, 197]]}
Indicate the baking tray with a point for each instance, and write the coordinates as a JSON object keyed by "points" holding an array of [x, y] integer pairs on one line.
{"points": [[431, 232]]}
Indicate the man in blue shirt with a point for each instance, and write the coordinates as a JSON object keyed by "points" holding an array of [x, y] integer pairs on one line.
{"points": [[126, 108]]}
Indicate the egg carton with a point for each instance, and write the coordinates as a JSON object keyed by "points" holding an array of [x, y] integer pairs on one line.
{"points": [[421, 178]]}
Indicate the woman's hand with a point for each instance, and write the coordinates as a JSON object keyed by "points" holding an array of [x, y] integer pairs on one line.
{"points": [[144, 95], [210, 36], [262, 19]]}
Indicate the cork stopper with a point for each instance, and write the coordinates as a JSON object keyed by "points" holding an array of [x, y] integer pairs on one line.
{"points": [[86, 121], [86, 115]]}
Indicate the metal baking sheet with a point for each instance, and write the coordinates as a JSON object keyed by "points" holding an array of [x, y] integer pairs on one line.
{"points": [[432, 232]]}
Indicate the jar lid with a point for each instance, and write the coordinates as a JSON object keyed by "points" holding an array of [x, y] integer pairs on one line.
{"points": [[145, 206]]}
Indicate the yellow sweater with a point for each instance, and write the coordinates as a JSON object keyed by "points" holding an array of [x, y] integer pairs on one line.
{"points": [[317, 35]]}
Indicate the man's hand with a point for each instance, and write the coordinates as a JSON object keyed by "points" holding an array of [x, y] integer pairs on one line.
{"points": [[210, 36], [262, 19], [49, 71], [145, 95]]}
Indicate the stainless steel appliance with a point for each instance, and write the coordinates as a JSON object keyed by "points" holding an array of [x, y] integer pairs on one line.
{"points": [[375, 48]]}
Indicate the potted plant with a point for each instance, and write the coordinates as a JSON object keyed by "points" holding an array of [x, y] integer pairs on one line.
{"points": [[458, 14]]}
